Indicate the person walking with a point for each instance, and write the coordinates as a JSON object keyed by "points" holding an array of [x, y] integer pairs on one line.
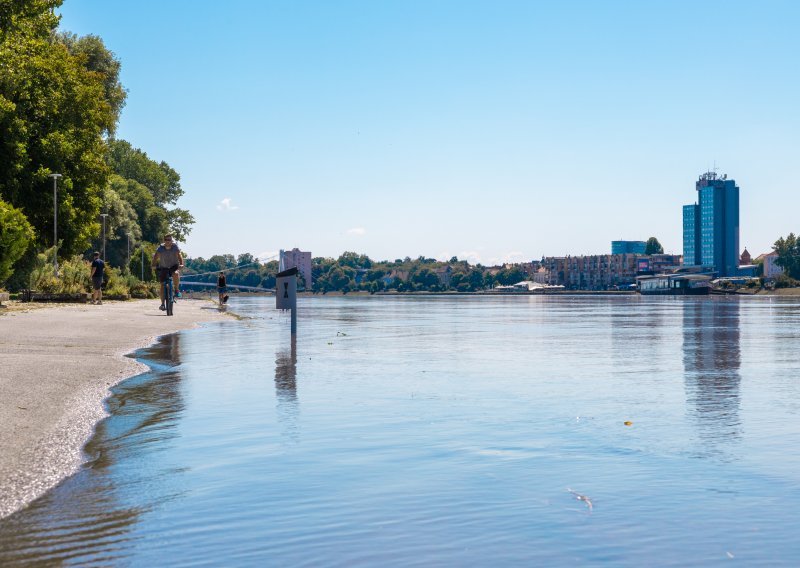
{"points": [[168, 260], [222, 287], [96, 274]]}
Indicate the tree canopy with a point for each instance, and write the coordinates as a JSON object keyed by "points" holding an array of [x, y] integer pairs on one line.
{"points": [[788, 250], [653, 246], [60, 100]]}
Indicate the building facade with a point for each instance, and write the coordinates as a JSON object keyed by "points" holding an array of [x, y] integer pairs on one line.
{"points": [[603, 271], [296, 258], [628, 247], [711, 226], [770, 269]]}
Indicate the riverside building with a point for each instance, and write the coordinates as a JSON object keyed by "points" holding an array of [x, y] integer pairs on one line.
{"points": [[711, 226], [628, 247], [604, 271], [296, 258]]}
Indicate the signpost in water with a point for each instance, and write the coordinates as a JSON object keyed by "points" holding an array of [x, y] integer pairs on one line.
{"points": [[286, 294]]}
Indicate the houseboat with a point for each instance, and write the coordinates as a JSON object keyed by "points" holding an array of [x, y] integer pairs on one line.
{"points": [[674, 284]]}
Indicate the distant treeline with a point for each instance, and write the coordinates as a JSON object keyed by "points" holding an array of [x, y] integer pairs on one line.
{"points": [[352, 272]]}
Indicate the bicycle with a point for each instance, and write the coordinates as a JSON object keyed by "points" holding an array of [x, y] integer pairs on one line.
{"points": [[166, 288], [168, 297]]}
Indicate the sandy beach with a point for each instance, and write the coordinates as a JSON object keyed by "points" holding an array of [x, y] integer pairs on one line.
{"points": [[56, 366]]}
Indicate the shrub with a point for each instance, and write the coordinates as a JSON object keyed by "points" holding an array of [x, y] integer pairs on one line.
{"points": [[785, 281], [143, 290], [73, 275], [15, 234], [116, 284]]}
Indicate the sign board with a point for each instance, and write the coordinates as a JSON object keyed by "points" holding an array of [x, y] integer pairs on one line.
{"points": [[286, 290]]}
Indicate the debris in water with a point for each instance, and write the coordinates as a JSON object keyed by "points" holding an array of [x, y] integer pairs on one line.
{"points": [[583, 498], [628, 423]]}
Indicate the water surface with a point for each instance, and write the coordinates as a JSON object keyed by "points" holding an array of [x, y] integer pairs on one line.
{"points": [[438, 431]]}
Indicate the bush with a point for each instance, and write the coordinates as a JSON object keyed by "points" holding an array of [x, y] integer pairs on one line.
{"points": [[15, 234], [73, 275], [785, 281], [143, 290]]}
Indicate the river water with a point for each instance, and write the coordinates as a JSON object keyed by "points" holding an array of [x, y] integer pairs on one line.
{"points": [[439, 431]]}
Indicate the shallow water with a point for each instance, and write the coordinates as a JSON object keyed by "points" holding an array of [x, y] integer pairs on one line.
{"points": [[407, 431]]}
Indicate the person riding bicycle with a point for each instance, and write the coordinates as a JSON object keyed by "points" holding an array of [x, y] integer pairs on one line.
{"points": [[168, 259]]}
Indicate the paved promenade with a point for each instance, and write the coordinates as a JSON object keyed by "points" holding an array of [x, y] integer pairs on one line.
{"points": [[56, 366]]}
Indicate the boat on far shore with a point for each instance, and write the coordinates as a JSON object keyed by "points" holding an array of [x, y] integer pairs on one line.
{"points": [[674, 284]]}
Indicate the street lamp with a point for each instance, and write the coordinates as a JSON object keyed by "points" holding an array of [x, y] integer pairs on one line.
{"points": [[129, 252], [104, 215], [55, 222]]}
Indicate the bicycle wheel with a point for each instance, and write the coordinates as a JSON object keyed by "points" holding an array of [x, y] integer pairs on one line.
{"points": [[169, 298]]}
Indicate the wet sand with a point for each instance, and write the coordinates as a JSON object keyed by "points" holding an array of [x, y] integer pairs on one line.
{"points": [[56, 366]]}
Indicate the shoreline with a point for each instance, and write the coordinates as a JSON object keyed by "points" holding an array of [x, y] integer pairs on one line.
{"points": [[57, 364]]}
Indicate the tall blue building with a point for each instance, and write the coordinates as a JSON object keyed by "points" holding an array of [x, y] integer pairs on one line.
{"points": [[711, 226], [628, 247]]}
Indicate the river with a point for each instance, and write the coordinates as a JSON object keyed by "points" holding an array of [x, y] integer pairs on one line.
{"points": [[445, 431]]}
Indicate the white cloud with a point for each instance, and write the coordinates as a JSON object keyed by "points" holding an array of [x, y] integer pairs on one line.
{"points": [[471, 256], [226, 205], [514, 256], [356, 232]]}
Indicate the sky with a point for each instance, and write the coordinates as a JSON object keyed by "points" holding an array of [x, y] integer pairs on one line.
{"points": [[494, 131]]}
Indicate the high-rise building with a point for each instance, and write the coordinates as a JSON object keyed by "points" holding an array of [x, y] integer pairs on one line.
{"points": [[296, 258], [628, 247], [711, 226]]}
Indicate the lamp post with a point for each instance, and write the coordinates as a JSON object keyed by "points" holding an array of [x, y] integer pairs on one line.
{"points": [[141, 248], [104, 215], [129, 252], [55, 222]]}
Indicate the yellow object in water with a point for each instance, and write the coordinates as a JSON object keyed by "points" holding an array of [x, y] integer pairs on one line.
{"points": [[628, 423]]}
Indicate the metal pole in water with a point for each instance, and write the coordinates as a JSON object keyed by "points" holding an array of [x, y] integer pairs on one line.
{"points": [[286, 294]]}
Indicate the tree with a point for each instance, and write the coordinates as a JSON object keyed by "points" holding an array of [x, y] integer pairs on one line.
{"points": [[15, 236], [151, 218], [788, 250], [132, 163], [245, 259], [95, 57], [54, 115], [653, 246]]}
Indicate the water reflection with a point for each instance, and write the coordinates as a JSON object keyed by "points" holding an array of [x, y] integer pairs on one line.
{"points": [[286, 389], [711, 361], [90, 517]]}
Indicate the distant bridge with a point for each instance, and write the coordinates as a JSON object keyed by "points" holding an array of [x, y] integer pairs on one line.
{"points": [[237, 286]]}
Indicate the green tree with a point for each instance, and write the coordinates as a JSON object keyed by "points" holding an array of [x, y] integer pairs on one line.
{"points": [[653, 246], [132, 163], [53, 118], [92, 53], [15, 236], [788, 250], [151, 218]]}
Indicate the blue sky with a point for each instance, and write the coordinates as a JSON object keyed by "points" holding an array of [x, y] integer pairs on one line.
{"points": [[492, 131]]}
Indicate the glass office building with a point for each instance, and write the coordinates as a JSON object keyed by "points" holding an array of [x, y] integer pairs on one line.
{"points": [[711, 226], [628, 247]]}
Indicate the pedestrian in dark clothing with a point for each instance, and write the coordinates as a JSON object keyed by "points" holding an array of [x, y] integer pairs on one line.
{"points": [[98, 267], [222, 287]]}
